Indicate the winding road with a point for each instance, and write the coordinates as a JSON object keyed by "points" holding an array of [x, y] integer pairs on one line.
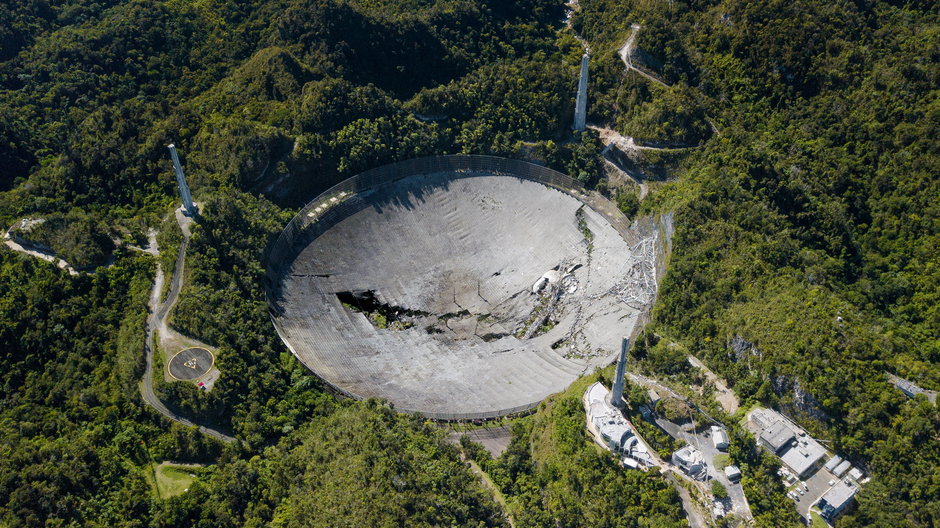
{"points": [[157, 320], [626, 55]]}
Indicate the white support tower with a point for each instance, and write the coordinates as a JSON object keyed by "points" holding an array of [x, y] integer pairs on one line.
{"points": [[616, 393], [188, 206], [580, 103]]}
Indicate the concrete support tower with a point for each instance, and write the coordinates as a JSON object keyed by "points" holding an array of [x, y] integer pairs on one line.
{"points": [[188, 206], [580, 103], [616, 393]]}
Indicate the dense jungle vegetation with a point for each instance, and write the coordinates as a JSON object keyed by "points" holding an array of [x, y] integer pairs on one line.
{"points": [[804, 262]]}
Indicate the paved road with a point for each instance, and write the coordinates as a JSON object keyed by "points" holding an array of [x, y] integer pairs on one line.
{"points": [[157, 319]]}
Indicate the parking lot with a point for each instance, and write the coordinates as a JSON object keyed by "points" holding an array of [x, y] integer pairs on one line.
{"points": [[815, 487]]}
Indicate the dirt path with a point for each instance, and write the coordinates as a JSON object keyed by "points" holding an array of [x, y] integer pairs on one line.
{"points": [[626, 51], [491, 487], [151, 246], [626, 55], [156, 321], [725, 396], [696, 517], [44, 255], [573, 7], [49, 256], [609, 136]]}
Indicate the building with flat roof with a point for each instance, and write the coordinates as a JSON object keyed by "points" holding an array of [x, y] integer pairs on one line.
{"points": [[777, 437], [833, 462], [842, 468], [804, 456], [733, 473], [719, 438], [836, 500], [690, 460], [798, 450]]}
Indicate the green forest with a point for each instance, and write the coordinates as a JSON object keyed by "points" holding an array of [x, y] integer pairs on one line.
{"points": [[803, 181]]}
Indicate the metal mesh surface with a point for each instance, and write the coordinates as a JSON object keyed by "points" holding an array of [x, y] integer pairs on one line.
{"points": [[464, 378]]}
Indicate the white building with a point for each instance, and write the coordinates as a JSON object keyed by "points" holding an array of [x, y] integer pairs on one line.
{"points": [[798, 450], [842, 468], [614, 430], [690, 460], [836, 500], [719, 438], [733, 473], [615, 433]]}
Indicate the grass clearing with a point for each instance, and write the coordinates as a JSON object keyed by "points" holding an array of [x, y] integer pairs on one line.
{"points": [[817, 521], [172, 480], [721, 461]]}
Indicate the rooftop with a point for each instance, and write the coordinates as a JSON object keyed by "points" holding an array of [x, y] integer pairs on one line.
{"points": [[803, 456], [839, 495], [797, 449], [719, 436], [689, 455], [833, 462], [777, 436]]}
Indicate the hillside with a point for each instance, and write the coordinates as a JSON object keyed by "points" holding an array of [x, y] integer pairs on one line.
{"points": [[801, 167]]}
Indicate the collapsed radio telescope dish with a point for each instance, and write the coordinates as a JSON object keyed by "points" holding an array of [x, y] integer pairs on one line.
{"points": [[460, 287]]}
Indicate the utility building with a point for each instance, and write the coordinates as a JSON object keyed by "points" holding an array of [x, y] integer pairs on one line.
{"points": [[777, 437], [690, 460], [719, 438], [836, 500], [842, 468], [799, 451], [833, 462]]}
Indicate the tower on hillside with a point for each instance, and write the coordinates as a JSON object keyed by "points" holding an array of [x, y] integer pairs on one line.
{"points": [[188, 207], [616, 393], [580, 103]]}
